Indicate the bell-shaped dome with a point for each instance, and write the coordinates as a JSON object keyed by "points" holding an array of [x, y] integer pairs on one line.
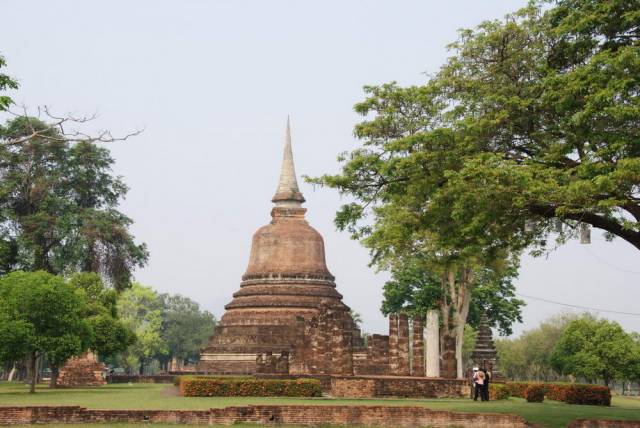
{"points": [[287, 247]]}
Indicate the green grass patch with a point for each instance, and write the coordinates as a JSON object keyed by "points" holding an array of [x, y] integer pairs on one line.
{"points": [[163, 396]]}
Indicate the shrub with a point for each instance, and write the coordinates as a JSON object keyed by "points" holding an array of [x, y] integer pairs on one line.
{"points": [[571, 393], [580, 394], [517, 389], [498, 391], [202, 386], [535, 393]]}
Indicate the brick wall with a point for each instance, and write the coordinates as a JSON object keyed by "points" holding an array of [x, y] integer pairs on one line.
{"points": [[142, 379], [397, 416], [396, 386]]}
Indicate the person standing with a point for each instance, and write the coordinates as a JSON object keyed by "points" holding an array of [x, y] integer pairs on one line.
{"points": [[474, 383], [485, 384]]}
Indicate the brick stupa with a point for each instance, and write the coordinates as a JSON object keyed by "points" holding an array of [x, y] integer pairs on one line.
{"points": [[287, 316], [485, 355]]}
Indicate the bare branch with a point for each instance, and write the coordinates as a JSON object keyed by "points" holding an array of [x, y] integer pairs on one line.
{"points": [[65, 125]]}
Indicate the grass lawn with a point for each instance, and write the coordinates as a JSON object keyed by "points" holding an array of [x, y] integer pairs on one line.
{"points": [[162, 396]]}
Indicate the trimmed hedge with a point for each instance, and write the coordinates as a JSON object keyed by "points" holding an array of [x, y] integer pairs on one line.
{"points": [[570, 393], [203, 386], [535, 393], [517, 389], [596, 395], [498, 391]]}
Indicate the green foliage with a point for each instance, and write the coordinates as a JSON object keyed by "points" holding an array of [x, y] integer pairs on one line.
{"points": [[185, 327], [534, 393], [42, 316], [140, 310], [110, 334], [58, 206], [6, 82], [595, 349], [203, 386], [413, 289], [528, 357]]}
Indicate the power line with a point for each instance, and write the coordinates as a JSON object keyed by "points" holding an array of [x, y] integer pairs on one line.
{"points": [[578, 306], [601, 260]]}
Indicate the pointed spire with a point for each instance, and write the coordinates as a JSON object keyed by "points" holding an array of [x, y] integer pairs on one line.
{"points": [[288, 194]]}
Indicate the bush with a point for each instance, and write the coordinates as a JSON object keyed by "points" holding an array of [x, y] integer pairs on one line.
{"points": [[570, 393], [498, 391], [517, 389], [596, 395], [535, 393], [202, 386]]}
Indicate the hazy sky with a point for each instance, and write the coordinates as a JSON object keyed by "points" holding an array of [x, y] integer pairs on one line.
{"points": [[212, 83]]}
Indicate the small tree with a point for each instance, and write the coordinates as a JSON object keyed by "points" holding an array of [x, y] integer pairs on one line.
{"points": [[594, 349], [140, 309], [110, 334], [41, 315]]}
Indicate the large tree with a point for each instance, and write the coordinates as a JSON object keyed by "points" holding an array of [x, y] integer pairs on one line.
{"points": [[596, 349], [58, 207], [532, 123], [41, 315]]}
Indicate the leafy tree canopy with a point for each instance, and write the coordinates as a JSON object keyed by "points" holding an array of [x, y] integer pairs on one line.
{"points": [[41, 315], [110, 334], [596, 349], [58, 207], [532, 118], [6, 82], [140, 309], [528, 357], [415, 290], [185, 327]]}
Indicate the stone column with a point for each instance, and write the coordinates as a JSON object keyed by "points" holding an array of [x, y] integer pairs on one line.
{"points": [[449, 362], [433, 343], [403, 345], [393, 344], [418, 347]]}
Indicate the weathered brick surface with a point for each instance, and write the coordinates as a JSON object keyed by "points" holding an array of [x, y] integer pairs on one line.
{"points": [[403, 345], [417, 365], [265, 415], [84, 370], [604, 423], [142, 379], [397, 386], [374, 360], [394, 362]]}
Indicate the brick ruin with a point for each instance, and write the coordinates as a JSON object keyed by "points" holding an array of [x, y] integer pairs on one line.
{"points": [[288, 318], [484, 354], [84, 370]]}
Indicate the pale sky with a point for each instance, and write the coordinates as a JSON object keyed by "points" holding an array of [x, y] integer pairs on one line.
{"points": [[212, 82]]}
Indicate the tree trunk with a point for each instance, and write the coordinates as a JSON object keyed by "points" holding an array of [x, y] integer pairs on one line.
{"points": [[34, 372], [141, 371], [55, 371], [12, 373]]}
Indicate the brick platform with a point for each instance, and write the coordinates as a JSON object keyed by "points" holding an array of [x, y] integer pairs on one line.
{"points": [[374, 416], [398, 386]]}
